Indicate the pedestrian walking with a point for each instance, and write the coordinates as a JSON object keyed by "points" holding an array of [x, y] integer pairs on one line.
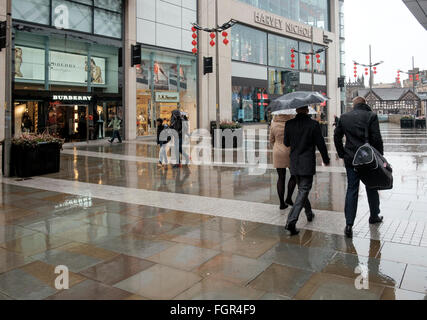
{"points": [[353, 126], [281, 160], [163, 158], [177, 125], [303, 135], [115, 123]]}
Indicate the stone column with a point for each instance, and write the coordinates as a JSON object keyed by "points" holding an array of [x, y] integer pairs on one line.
{"points": [[2, 74], [129, 77]]}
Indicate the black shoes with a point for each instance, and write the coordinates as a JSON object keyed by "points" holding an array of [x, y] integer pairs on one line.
{"points": [[289, 202], [348, 231], [377, 219], [310, 216], [292, 229], [283, 206]]}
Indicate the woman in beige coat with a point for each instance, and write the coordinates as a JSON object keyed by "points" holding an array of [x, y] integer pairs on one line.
{"points": [[281, 159]]}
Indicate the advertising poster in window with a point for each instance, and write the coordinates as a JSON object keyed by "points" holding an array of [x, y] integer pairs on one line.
{"points": [[29, 63], [63, 67]]}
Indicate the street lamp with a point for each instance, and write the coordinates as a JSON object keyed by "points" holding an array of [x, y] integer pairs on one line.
{"points": [[411, 74], [370, 66]]}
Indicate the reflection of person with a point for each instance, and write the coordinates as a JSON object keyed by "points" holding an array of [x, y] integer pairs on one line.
{"points": [[281, 159], [26, 123], [303, 135], [115, 123], [352, 125], [18, 62]]}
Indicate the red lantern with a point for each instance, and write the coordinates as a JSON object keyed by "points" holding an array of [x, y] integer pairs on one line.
{"points": [[317, 56], [226, 41], [355, 75], [375, 72], [417, 77], [375, 68], [366, 73], [292, 60], [212, 35], [224, 34], [292, 50], [307, 57], [194, 35], [355, 68], [194, 50], [318, 61], [292, 55], [292, 66], [194, 43], [193, 29], [212, 43], [307, 62]]}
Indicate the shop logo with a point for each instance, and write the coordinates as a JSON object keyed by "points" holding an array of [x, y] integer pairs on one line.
{"points": [[72, 98], [299, 30], [62, 17], [268, 20]]}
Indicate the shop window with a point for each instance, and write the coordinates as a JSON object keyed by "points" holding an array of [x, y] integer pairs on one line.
{"points": [[282, 81], [279, 51], [249, 104], [26, 117], [248, 45], [112, 5]]}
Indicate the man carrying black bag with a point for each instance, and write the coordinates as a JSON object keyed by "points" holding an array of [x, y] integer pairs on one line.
{"points": [[353, 126]]}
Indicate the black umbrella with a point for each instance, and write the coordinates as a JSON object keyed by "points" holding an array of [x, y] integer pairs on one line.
{"points": [[295, 100]]}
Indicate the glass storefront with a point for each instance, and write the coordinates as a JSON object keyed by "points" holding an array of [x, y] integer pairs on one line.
{"points": [[65, 87], [311, 12], [251, 96], [100, 17], [165, 81]]}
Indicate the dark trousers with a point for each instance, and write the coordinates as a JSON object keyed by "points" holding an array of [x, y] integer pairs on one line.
{"points": [[353, 182], [281, 183], [304, 186], [116, 134]]}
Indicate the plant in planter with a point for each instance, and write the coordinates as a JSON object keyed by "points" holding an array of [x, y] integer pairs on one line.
{"points": [[35, 154], [236, 129]]}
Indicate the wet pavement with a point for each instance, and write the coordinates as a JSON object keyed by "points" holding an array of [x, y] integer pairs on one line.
{"points": [[127, 229]]}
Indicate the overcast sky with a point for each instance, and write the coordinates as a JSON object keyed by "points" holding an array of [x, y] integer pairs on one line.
{"points": [[393, 32]]}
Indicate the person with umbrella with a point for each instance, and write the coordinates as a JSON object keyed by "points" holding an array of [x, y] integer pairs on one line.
{"points": [[302, 135]]}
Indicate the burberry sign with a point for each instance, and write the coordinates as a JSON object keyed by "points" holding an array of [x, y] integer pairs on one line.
{"points": [[277, 23]]}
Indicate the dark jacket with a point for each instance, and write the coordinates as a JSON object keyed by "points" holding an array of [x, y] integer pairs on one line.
{"points": [[303, 134], [159, 131], [352, 125]]}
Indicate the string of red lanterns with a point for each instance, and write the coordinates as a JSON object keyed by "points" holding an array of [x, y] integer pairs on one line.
{"points": [[307, 58], [194, 42], [355, 70]]}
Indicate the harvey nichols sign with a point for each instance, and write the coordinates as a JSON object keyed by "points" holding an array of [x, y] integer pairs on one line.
{"points": [[277, 23]]}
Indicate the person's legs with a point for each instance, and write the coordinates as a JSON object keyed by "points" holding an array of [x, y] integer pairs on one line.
{"points": [[114, 136], [281, 182], [292, 183], [374, 205], [352, 195], [304, 186], [163, 155], [176, 147], [118, 136]]}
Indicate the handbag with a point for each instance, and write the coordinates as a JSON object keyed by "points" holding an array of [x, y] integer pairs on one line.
{"points": [[373, 169]]}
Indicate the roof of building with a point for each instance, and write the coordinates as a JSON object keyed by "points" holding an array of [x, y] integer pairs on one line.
{"points": [[419, 9], [385, 93]]}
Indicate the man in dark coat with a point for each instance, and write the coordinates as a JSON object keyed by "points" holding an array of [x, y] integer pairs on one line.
{"points": [[303, 135], [352, 125]]}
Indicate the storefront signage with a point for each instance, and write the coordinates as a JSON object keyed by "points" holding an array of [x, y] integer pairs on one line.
{"points": [[277, 23], [63, 67], [299, 30], [167, 96], [71, 98], [269, 20]]}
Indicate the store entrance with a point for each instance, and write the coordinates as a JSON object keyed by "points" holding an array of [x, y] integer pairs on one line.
{"points": [[69, 122]]}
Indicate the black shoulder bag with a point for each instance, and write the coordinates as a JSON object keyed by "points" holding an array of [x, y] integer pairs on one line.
{"points": [[373, 169]]}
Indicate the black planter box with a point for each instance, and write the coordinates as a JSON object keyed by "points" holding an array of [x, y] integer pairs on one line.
{"points": [[237, 140], [406, 123], [28, 162], [420, 123]]}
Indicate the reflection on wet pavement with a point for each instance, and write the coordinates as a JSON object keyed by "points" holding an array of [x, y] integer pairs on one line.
{"points": [[129, 230]]}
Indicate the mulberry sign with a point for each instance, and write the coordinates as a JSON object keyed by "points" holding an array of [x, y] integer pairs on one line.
{"points": [[278, 23]]}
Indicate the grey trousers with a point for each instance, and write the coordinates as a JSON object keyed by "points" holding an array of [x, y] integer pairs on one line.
{"points": [[304, 186]]}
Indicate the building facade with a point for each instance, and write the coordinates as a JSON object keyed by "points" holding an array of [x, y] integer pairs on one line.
{"points": [[72, 64], [66, 67]]}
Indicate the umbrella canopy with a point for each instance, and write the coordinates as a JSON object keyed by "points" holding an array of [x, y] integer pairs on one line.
{"points": [[295, 100], [292, 111]]}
